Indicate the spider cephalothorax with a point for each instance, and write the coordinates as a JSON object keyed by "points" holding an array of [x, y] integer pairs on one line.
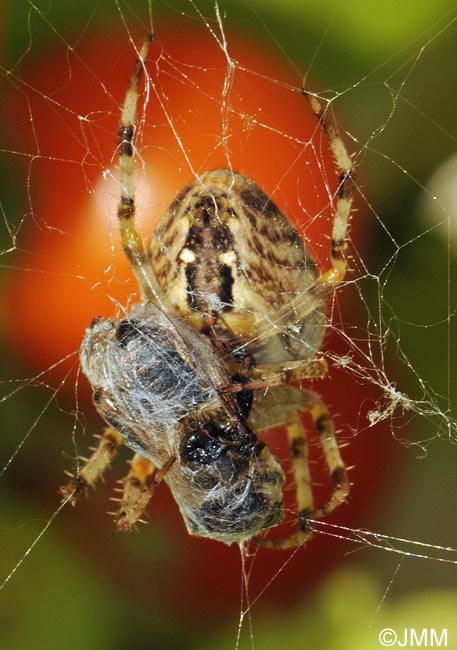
{"points": [[232, 314]]}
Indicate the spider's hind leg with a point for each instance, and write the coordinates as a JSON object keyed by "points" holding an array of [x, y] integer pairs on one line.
{"points": [[325, 429], [286, 406]]}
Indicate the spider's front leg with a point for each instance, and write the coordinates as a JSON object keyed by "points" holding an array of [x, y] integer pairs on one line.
{"points": [[282, 374], [131, 240], [138, 487], [330, 280], [94, 466], [285, 406]]}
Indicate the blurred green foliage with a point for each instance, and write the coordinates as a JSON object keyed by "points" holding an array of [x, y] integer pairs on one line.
{"points": [[332, 622]]}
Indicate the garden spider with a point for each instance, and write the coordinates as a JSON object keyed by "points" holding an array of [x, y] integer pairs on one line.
{"points": [[231, 314]]}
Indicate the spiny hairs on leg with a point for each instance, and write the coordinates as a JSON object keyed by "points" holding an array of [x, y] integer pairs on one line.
{"points": [[94, 466], [139, 486]]}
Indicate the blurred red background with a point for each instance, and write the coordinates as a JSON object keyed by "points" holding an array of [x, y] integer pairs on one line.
{"points": [[70, 267]]}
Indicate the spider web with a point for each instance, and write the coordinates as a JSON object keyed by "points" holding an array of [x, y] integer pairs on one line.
{"points": [[223, 89]]}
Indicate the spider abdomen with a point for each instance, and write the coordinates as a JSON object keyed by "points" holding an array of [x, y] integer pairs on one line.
{"points": [[225, 248]]}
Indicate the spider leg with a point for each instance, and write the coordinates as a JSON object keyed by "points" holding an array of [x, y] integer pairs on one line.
{"points": [[329, 280], [286, 406], [314, 298], [298, 443], [132, 242], [139, 486], [325, 428], [281, 374], [94, 466]]}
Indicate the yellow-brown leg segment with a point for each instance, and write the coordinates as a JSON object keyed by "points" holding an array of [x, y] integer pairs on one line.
{"points": [[132, 243], [94, 466], [325, 429], [139, 486], [298, 443], [303, 493], [275, 374], [329, 280]]}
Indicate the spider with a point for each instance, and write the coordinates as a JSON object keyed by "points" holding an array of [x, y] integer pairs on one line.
{"points": [[232, 315]]}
